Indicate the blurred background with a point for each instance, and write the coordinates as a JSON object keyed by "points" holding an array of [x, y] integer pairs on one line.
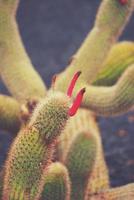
{"points": [[52, 31]]}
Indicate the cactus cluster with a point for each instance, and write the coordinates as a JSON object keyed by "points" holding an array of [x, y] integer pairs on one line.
{"points": [[57, 153]]}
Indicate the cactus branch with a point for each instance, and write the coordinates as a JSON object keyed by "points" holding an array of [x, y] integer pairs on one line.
{"points": [[120, 193], [9, 114], [57, 184], [112, 100], [94, 50], [80, 162], [84, 122], [120, 57], [16, 69]]}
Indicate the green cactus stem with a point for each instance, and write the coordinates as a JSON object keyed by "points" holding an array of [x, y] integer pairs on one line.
{"points": [[113, 100], [16, 69], [80, 162], [120, 193], [120, 57], [9, 114], [84, 122], [33, 147], [94, 50], [57, 184]]}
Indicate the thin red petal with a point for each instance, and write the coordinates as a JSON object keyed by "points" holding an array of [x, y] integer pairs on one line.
{"points": [[77, 102], [72, 84]]}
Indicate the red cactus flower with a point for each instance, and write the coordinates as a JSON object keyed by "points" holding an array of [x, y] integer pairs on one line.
{"points": [[79, 97]]}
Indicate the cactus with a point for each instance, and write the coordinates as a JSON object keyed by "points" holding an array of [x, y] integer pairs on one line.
{"points": [[58, 153], [32, 150], [16, 70], [80, 161], [120, 57], [112, 100], [98, 42], [97, 171], [118, 193], [9, 114], [57, 183]]}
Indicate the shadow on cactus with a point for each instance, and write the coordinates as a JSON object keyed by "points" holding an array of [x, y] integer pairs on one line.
{"points": [[57, 153]]}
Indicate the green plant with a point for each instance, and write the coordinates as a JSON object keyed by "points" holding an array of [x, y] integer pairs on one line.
{"points": [[58, 153]]}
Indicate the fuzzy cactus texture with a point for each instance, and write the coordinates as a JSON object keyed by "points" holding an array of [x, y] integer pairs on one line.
{"points": [[57, 184], [32, 149], [80, 160], [118, 193], [57, 153]]}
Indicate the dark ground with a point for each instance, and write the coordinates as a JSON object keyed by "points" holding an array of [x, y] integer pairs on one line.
{"points": [[52, 31]]}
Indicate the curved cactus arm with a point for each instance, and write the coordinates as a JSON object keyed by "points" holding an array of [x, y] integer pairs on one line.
{"points": [[114, 100], [94, 50], [16, 69], [120, 193], [120, 57], [57, 184], [80, 162], [9, 114]]}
